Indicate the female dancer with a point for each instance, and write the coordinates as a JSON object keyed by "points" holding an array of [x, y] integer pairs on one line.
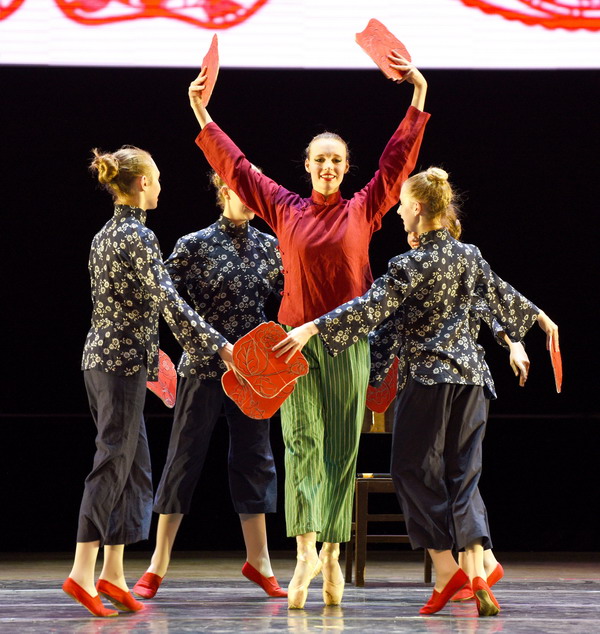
{"points": [[130, 287], [442, 405], [228, 270], [324, 243]]}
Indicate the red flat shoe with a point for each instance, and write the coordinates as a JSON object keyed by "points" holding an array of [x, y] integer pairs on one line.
{"points": [[486, 601], [466, 594], [495, 576], [93, 604], [119, 598], [147, 585], [439, 599], [268, 584]]}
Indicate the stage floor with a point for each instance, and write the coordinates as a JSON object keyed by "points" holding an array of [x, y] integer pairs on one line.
{"points": [[205, 592]]}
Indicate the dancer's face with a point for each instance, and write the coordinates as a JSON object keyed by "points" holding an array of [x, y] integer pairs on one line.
{"points": [[409, 210], [235, 209], [153, 188], [327, 163]]}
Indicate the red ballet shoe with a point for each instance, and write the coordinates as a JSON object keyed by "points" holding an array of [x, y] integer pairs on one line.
{"points": [[119, 598], [486, 601], [439, 599], [147, 585], [93, 604], [268, 584], [495, 576], [465, 594]]}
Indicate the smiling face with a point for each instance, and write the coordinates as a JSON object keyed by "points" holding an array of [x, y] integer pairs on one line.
{"points": [[327, 163]]}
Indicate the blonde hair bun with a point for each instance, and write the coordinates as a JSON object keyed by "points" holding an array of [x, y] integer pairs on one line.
{"points": [[106, 165], [436, 174]]}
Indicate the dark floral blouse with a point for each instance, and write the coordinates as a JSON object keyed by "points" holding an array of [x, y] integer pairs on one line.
{"points": [[130, 287], [228, 272], [430, 303]]}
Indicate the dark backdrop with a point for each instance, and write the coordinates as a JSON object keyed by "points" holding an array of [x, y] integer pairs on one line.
{"points": [[521, 146]]}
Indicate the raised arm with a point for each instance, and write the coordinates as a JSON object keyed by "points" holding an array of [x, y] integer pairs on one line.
{"points": [[195, 94], [413, 76]]}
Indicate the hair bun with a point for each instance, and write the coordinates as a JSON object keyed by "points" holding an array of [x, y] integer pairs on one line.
{"points": [[437, 174]]}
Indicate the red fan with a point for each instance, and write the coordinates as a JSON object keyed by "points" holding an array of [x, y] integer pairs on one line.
{"points": [[379, 398], [166, 386], [251, 403], [254, 358], [556, 360], [378, 43], [211, 62]]}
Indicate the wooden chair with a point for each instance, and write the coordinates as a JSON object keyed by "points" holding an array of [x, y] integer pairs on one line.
{"points": [[356, 548]]}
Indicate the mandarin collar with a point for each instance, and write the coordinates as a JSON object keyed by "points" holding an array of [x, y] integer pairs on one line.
{"points": [[319, 199], [126, 210], [228, 226], [433, 236]]}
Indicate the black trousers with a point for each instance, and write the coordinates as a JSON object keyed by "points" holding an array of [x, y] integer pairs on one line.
{"points": [[252, 475], [436, 464], [117, 500]]}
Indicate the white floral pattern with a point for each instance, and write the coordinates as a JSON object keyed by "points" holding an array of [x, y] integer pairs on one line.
{"points": [[228, 272], [429, 305], [130, 288]]}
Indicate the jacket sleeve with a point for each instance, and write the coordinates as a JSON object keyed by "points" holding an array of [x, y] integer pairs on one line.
{"points": [[194, 335]]}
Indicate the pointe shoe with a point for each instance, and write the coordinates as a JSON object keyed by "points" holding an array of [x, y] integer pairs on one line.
{"points": [[439, 599], [465, 594], [298, 588], [495, 576], [119, 598], [147, 585], [486, 601], [93, 604], [332, 592], [268, 584]]}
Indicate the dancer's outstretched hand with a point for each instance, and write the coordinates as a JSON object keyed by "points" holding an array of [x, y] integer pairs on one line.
{"points": [[296, 340]]}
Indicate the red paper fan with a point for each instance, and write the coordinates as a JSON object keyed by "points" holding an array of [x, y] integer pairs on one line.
{"points": [[211, 62], [166, 386], [378, 43], [254, 358], [251, 403], [379, 398], [556, 360]]}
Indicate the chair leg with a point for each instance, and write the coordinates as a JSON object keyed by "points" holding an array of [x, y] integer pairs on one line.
{"points": [[349, 554], [361, 511]]}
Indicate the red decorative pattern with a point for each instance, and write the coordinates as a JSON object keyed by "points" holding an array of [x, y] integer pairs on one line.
{"points": [[379, 398], [377, 42], [166, 386], [551, 14], [254, 358], [9, 8], [251, 403], [207, 14]]}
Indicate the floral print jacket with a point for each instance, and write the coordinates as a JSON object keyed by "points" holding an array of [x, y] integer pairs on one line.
{"points": [[130, 287], [430, 303], [228, 272]]}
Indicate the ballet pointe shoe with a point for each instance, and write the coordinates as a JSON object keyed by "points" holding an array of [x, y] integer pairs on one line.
{"points": [[147, 585], [119, 598], [308, 566], [439, 599], [464, 594], [486, 601], [495, 576], [93, 604], [268, 584], [332, 591]]}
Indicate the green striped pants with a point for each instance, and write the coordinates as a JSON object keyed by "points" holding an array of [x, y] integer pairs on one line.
{"points": [[321, 422]]}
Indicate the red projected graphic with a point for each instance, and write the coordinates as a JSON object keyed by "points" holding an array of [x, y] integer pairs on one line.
{"points": [[208, 14], [551, 14], [8, 8]]}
